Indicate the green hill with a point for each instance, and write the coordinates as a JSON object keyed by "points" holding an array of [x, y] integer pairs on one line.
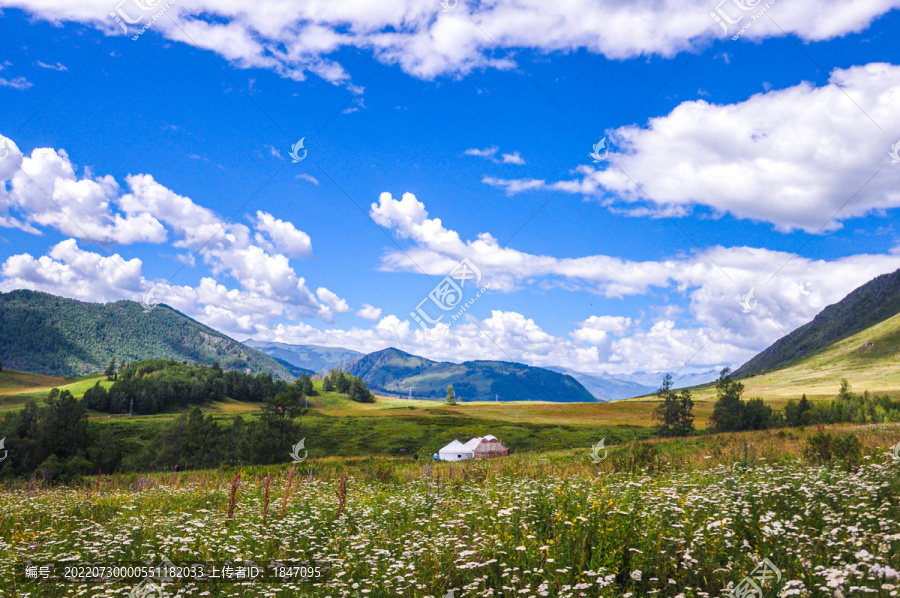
{"points": [[872, 303], [395, 371], [52, 335]]}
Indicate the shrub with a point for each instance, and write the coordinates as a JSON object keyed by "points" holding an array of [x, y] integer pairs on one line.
{"points": [[638, 457], [54, 469], [824, 448], [819, 449]]}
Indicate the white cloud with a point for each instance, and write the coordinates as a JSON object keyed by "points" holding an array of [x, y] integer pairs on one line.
{"points": [[72, 272], [513, 186], [594, 330], [488, 152], [711, 281], [792, 157], [19, 83], [268, 287], [369, 312], [331, 304], [295, 39], [56, 67], [283, 235], [513, 158], [307, 177], [46, 191]]}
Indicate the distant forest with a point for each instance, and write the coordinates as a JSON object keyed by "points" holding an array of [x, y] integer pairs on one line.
{"points": [[157, 385]]}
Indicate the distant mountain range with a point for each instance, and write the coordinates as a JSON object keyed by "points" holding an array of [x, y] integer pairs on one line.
{"points": [[872, 303], [606, 388], [46, 334], [310, 358], [654, 379], [394, 371], [602, 387]]}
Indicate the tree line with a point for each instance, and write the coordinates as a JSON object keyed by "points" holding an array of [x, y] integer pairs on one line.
{"points": [[157, 385], [731, 413]]}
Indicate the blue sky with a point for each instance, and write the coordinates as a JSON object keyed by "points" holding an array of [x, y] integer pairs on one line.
{"points": [[765, 154]]}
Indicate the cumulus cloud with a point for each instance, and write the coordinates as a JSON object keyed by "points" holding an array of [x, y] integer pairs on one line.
{"points": [[283, 235], [299, 38], [73, 272], [369, 312], [792, 157], [331, 304], [257, 260], [712, 281], [44, 188]]}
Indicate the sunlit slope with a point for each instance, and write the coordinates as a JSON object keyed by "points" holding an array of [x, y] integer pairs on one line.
{"points": [[869, 360]]}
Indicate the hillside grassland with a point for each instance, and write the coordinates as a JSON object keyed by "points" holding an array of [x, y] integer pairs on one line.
{"points": [[670, 518], [17, 387], [869, 360], [12, 382], [337, 426]]}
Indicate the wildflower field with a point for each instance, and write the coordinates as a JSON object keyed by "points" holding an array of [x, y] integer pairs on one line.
{"points": [[665, 518]]}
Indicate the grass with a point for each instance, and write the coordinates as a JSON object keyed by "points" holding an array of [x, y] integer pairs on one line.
{"points": [[12, 381], [17, 387], [691, 518]]}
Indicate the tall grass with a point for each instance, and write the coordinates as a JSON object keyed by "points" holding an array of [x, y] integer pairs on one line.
{"points": [[667, 518]]}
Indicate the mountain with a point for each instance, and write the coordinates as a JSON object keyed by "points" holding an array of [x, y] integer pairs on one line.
{"points": [[293, 369], [605, 388], [46, 334], [874, 302], [654, 379], [308, 357], [395, 371]]}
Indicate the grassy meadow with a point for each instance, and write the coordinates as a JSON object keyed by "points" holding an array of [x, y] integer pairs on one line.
{"points": [[678, 518], [675, 518]]}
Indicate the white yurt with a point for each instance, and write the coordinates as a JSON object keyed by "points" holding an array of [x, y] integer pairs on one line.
{"points": [[455, 451]]}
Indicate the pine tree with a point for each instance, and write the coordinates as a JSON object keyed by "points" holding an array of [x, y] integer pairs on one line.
{"points": [[727, 415], [684, 425], [844, 393], [666, 413], [110, 371], [805, 415], [451, 397]]}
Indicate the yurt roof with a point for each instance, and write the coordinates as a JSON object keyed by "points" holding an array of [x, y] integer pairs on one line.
{"points": [[454, 447], [473, 443]]}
